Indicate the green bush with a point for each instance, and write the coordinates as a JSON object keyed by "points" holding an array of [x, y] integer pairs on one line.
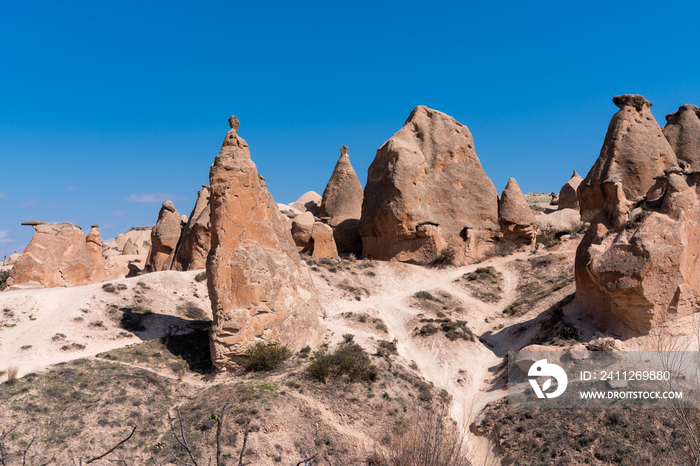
{"points": [[445, 258], [348, 359], [265, 357], [201, 276]]}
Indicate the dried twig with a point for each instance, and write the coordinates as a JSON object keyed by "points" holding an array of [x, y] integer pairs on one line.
{"points": [[112, 449], [219, 424], [183, 441], [307, 459], [245, 439]]}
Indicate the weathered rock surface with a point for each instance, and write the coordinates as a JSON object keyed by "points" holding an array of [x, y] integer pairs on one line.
{"points": [[634, 148], [517, 221], [308, 202], [342, 203], [568, 199], [641, 267], [558, 221], [195, 240], [426, 190], [164, 239], [682, 131], [139, 237], [323, 242], [302, 229], [259, 288], [60, 254]]}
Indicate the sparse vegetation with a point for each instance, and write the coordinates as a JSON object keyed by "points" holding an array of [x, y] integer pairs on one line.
{"points": [[348, 359], [4, 275], [200, 277], [12, 374], [484, 284], [192, 311], [265, 356], [443, 259], [109, 288]]}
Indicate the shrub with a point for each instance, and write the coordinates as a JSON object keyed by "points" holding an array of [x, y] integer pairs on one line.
{"points": [[4, 275], [109, 288], [12, 374], [445, 258], [348, 359], [265, 356], [200, 277]]}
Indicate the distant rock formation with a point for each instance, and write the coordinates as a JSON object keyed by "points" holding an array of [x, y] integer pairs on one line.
{"points": [[682, 131], [259, 288], [195, 240], [322, 242], [426, 190], [342, 204], [60, 254], [308, 202], [641, 267], [568, 199], [164, 238], [136, 241], [634, 148], [517, 221]]}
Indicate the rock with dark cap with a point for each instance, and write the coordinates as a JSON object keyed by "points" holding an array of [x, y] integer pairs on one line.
{"points": [[260, 290], [682, 131], [634, 148], [342, 204], [164, 238], [428, 170]]}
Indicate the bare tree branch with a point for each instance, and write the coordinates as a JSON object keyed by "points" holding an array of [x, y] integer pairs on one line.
{"points": [[219, 424], [182, 442], [245, 439], [3, 452], [307, 459], [112, 449]]}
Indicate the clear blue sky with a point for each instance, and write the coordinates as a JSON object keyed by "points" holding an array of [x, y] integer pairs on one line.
{"points": [[104, 105]]}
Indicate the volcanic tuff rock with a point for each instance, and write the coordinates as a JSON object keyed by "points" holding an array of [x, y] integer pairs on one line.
{"points": [[567, 195], [634, 148], [139, 237], [641, 267], [426, 190], [682, 131], [342, 202], [322, 242], [260, 290], [302, 229], [164, 238], [60, 254], [515, 216], [308, 202], [195, 240]]}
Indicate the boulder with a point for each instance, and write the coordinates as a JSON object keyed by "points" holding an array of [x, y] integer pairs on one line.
{"points": [[164, 239], [130, 248], [426, 190], [302, 229], [322, 239], [568, 198], [634, 148], [641, 267], [195, 240], [260, 290], [682, 131], [342, 204], [517, 221], [308, 202], [558, 221], [60, 254]]}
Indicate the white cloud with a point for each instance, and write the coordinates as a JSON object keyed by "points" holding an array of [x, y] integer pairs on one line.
{"points": [[118, 213], [154, 197], [4, 238]]}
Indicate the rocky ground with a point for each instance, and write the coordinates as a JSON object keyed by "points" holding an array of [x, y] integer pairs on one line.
{"points": [[97, 360]]}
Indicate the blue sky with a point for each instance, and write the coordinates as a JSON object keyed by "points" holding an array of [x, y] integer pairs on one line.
{"points": [[107, 108]]}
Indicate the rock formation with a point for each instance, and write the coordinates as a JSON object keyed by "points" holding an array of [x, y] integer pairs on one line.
{"points": [[308, 202], [515, 216], [302, 229], [634, 148], [641, 267], [60, 254], [426, 190], [322, 242], [164, 238], [260, 290], [195, 240], [139, 239], [568, 198], [682, 131], [342, 204]]}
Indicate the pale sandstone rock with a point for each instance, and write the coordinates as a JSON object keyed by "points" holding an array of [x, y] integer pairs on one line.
{"points": [[129, 248], [559, 220], [637, 271], [308, 202], [140, 238], [426, 190], [259, 288], [302, 230], [682, 131], [529, 355], [323, 242], [60, 254], [164, 238], [342, 203], [568, 198], [517, 221], [195, 240], [635, 149]]}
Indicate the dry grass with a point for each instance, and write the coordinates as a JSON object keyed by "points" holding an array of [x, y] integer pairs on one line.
{"points": [[12, 374]]}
